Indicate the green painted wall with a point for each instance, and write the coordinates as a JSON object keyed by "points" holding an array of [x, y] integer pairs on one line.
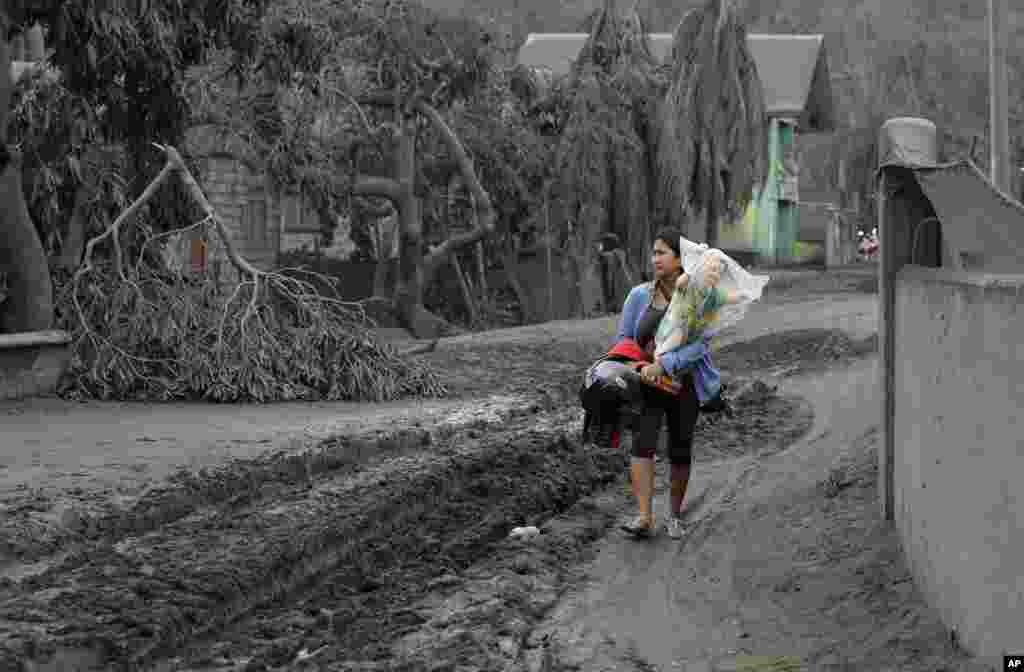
{"points": [[788, 222], [771, 226]]}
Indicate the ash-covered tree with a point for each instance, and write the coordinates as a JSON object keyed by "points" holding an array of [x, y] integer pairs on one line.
{"points": [[712, 135], [121, 65], [143, 329], [426, 64], [646, 144], [382, 89], [29, 302], [604, 111]]}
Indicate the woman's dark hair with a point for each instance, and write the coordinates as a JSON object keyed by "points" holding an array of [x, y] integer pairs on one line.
{"points": [[670, 237]]}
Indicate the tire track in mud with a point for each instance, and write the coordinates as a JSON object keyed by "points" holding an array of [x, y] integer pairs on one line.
{"points": [[243, 481], [308, 556], [127, 604], [488, 622]]}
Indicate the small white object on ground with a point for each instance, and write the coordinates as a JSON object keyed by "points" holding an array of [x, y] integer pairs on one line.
{"points": [[306, 654], [524, 532]]}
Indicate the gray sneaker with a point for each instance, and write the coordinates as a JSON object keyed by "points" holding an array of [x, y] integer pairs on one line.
{"points": [[638, 529], [675, 527]]}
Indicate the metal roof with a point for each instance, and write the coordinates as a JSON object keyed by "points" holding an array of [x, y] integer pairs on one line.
{"points": [[793, 70]]}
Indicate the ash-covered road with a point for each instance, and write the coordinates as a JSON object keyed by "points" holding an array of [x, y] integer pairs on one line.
{"points": [[313, 556]]}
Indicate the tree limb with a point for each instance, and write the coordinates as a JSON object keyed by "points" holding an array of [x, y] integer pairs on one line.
{"points": [[354, 103], [486, 216], [374, 210], [175, 163], [384, 187], [114, 229], [377, 99]]}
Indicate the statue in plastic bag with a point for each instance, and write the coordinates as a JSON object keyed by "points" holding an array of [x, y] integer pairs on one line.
{"points": [[713, 294]]}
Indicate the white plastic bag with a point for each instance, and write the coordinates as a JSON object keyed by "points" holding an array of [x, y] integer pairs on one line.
{"points": [[698, 262]]}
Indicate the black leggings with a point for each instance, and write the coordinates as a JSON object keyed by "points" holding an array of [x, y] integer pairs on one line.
{"points": [[681, 414]]}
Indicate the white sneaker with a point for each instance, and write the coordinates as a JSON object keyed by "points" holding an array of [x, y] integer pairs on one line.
{"points": [[675, 527]]}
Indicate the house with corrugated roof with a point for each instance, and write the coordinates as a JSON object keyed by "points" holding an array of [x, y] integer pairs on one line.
{"points": [[798, 98]]}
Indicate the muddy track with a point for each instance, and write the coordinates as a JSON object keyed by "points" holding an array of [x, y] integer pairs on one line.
{"points": [[324, 552], [125, 605], [239, 482], [29, 534]]}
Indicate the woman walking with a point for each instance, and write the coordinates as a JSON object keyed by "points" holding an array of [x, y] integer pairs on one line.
{"points": [[642, 312]]}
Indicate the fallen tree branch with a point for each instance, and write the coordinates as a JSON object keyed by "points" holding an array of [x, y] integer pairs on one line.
{"points": [[384, 187], [180, 339], [175, 163]]}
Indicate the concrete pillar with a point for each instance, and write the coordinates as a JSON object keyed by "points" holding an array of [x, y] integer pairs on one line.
{"points": [[887, 302], [998, 42], [901, 204], [833, 240], [842, 226]]}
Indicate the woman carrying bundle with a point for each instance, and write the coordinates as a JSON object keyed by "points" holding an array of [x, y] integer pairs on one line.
{"points": [[684, 356]]}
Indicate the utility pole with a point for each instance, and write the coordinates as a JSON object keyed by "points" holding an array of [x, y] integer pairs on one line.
{"points": [[999, 133]]}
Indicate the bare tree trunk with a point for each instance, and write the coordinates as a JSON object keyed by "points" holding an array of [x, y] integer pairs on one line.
{"points": [[29, 306], [510, 265], [383, 280], [408, 293], [414, 268], [409, 288], [74, 245], [484, 212], [467, 295]]}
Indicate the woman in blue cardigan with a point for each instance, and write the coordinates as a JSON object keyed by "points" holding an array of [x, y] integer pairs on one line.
{"points": [[641, 314]]}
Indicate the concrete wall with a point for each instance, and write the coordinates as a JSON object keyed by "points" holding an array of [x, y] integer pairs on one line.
{"points": [[814, 221], [31, 363], [958, 461]]}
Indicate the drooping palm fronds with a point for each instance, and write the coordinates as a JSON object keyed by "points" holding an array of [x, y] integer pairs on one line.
{"points": [[711, 140], [598, 128], [616, 40], [603, 163]]}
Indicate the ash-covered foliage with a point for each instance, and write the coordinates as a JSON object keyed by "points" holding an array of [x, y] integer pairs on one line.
{"points": [[148, 328], [712, 137], [604, 160], [167, 336]]}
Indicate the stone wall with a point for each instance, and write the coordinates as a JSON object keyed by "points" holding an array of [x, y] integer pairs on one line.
{"points": [[249, 209]]}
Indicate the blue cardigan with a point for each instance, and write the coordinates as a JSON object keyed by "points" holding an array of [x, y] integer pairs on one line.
{"points": [[696, 356]]}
